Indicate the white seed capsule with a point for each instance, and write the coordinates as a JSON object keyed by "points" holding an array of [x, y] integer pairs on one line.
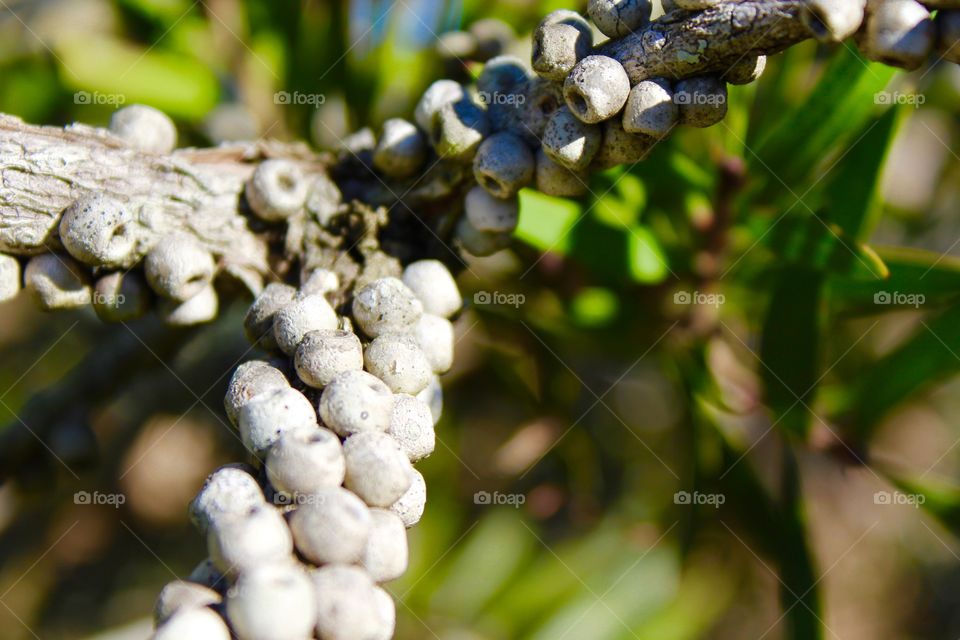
{"points": [[433, 284], [554, 179], [297, 319], [304, 461], [401, 149], [320, 282], [99, 230], [617, 18], [385, 305], [620, 147], [57, 282], [356, 401], [702, 101], [377, 468], [481, 243], [500, 77], [437, 94], [561, 40], [457, 130], [177, 267], [746, 70], [386, 613], [119, 296], [411, 504], [207, 575], [596, 89], [200, 308], [432, 396], [526, 109], [181, 594], [269, 415], [258, 322], [144, 128], [833, 20], [273, 603], [650, 109], [411, 425], [571, 142], [348, 607], [9, 277], [276, 190], [948, 37], [331, 526], [386, 555], [228, 491], [397, 359], [488, 213], [899, 33], [321, 355], [435, 338], [239, 543], [193, 624], [248, 380], [503, 165]]}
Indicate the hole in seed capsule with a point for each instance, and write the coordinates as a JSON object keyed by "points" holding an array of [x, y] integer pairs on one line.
{"points": [[490, 184], [547, 105], [816, 24], [364, 415], [579, 103], [286, 181]]}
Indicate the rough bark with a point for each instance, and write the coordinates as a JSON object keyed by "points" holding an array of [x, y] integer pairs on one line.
{"points": [[683, 44]]}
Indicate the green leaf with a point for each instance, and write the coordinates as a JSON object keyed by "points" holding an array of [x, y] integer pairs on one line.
{"points": [[646, 259], [838, 107], [813, 242], [931, 354], [546, 222], [789, 347], [917, 278], [851, 198]]}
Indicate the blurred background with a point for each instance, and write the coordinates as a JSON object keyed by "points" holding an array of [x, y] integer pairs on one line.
{"points": [[716, 398]]}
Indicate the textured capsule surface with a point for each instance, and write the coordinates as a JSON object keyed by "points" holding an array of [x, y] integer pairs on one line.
{"points": [[377, 468], [331, 526], [144, 128], [621, 147], [304, 461], [121, 296], [322, 355], [437, 94], [99, 230], [57, 282], [300, 317], [258, 321], [554, 179], [899, 33], [569, 141], [248, 380], [272, 602], [384, 306], [561, 40], [229, 491], [385, 556], [411, 505], [411, 425], [596, 89], [503, 165], [356, 401], [702, 101], [348, 607], [181, 594], [199, 308], [401, 149], [398, 360], [267, 416], [277, 190], [458, 128], [240, 543], [489, 213], [9, 277], [435, 338], [617, 18], [650, 109], [433, 284], [178, 268]]}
